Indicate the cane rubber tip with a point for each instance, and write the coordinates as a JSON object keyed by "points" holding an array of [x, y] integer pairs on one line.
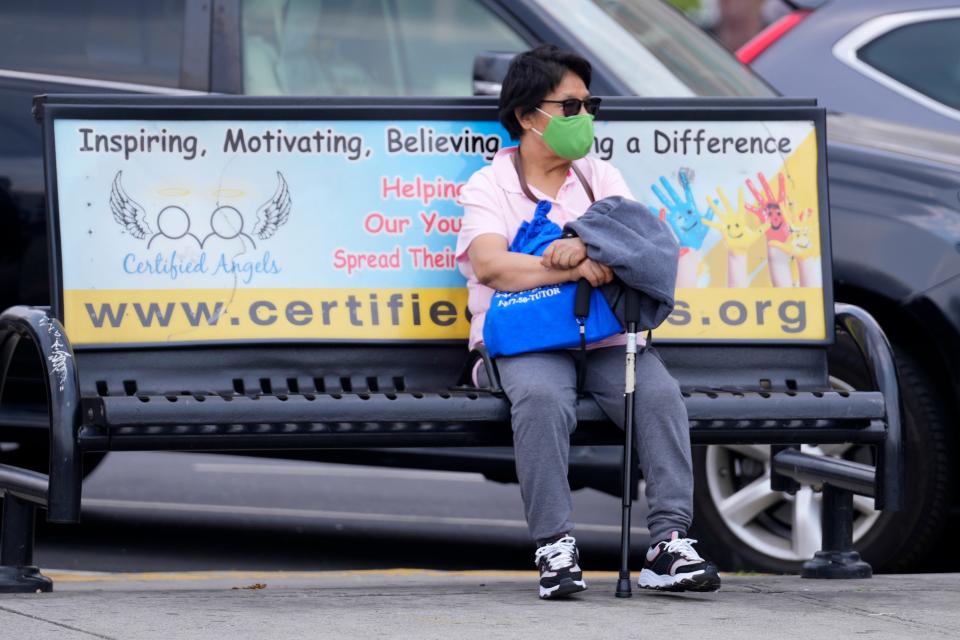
{"points": [[623, 588]]}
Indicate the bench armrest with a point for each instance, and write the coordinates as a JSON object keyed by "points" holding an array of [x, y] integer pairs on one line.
{"points": [[63, 395], [465, 380], [878, 357]]}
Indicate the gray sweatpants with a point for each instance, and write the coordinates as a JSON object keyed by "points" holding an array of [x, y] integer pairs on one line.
{"points": [[542, 391]]}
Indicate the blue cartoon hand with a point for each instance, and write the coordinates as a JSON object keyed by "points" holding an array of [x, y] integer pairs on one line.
{"points": [[682, 214]]}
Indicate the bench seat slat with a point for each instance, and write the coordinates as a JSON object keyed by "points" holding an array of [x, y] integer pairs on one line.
{"points": [[231, 438], [448, 408], [787, 406]]}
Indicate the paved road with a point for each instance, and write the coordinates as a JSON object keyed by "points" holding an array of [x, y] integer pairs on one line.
{"points": [[166, 511]]}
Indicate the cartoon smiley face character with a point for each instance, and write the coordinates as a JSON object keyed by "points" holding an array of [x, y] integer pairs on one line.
{"points": [[681, 213], [769, 206], [803, 241], [738, 235]]}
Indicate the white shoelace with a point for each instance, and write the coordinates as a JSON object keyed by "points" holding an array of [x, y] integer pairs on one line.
{"points": [[559, 554], [685, 547]]}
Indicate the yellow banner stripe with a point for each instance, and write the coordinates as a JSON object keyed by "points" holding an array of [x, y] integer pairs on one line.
{"points": [[765, 313], [189, 315]]}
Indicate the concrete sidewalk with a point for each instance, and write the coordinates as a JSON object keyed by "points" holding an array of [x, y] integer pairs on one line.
{"points": [[427, 604]]}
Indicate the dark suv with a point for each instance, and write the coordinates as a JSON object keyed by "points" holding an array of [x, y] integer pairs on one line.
{"points": [[893, 196]]}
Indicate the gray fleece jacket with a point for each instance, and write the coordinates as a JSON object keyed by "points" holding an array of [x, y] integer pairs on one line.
{"points": [[641, 250]]}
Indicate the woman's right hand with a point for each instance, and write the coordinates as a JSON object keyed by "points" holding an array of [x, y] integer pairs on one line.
{"points": [[565, 253], [596, 274]]}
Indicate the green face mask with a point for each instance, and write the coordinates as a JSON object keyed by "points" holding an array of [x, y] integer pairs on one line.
{"points": [[570, 137]]}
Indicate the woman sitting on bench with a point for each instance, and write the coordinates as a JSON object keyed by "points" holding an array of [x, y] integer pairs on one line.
{"points": [[545, 103]]}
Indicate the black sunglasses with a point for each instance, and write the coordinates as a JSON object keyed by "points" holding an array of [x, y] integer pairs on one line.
{"points": [[571, 106]]}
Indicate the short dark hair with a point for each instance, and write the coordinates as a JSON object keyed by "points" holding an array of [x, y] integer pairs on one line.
{"points": [[531, 76]]}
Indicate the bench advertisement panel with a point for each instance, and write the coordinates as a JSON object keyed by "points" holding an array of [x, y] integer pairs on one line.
{"points": [[206, 230]]}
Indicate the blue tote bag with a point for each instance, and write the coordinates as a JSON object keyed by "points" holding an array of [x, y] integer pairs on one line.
{"points": [[542, 319]]}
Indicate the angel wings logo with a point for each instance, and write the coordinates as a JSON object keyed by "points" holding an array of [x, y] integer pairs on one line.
{"points": [[176, 245]]}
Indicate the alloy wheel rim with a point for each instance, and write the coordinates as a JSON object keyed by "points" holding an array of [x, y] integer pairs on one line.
{"points": [[775, 523]]}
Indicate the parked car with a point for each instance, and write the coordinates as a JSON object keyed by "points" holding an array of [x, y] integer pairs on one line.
{"points": [[893, 201], [896, 60]]}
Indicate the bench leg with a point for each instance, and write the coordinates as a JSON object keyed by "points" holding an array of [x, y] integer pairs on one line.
{"points": [[17, 573], [837, 559]]}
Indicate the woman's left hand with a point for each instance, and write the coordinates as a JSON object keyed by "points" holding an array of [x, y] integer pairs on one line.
{"points": [[565, 253]]}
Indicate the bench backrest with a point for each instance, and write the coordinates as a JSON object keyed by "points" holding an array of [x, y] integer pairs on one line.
{"points": [[312, 240]]}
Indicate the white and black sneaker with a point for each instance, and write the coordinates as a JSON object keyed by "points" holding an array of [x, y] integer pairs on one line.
{"points": [[559, 564], [674, 565]]}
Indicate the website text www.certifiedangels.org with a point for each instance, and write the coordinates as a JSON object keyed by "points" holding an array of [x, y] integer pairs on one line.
{"points": [[191, 315]]}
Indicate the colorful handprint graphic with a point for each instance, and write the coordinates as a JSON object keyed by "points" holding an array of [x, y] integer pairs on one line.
{"points": [[682, 214], [803, 244], [733, 226], [737, 234], [769, 209], [686, 220], [763, 218]]}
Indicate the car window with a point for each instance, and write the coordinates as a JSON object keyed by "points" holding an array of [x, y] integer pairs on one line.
{"points": [[654, 49], [138, 41], [925, 56], [367, 47]]}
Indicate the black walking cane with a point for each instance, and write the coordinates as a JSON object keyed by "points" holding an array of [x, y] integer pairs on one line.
{"points": [[632, 317], [581, 309]]}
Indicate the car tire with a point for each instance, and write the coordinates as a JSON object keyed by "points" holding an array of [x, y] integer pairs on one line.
{"points": [[888, 541]]}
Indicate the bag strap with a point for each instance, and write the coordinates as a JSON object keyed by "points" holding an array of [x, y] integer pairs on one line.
{"points": [[518, 165], [583, 181]]}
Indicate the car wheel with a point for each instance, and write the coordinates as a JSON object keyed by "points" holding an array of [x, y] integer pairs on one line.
{"points": [[744, 525]]}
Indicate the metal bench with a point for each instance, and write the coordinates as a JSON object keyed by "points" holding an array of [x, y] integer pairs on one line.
{"points": [[296, 395]]}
